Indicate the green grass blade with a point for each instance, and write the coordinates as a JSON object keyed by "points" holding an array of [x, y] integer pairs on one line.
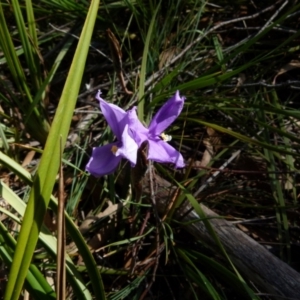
{"points": [[199, 277], [217, 78], [141, 92], [219, 52], [213, 234], [29, 51], [3, 139], [35, 283], [31, 23], [219, 270], [15, 167], [166, 80], [287, 141], [244, 138], [7, 47], [38, 125], [49, 242], [276, 185], [72, 229], [48, 168], [49, 78]]}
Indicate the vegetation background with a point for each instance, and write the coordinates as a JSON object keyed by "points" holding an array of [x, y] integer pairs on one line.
{"points": [[236, 62]]}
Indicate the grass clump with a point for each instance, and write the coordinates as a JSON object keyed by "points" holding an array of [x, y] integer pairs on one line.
{"points": [[237, 65]]}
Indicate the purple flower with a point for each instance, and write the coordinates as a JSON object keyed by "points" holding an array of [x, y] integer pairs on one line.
{"points": [[131, 134], [105, 159], [159, 150]]}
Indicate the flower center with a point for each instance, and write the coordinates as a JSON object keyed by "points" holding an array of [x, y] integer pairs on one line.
{"points": [[114, 149], [165, 137]]}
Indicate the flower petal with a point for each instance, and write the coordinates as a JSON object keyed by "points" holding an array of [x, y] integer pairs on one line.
{"points": [[128, 148], [103, 161], [114, 116], [137, 130], [166, 115], [162, 152]]}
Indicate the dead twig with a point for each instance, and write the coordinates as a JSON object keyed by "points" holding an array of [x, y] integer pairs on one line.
{"points": [[273, 17], [61, 236], [116, 53]]}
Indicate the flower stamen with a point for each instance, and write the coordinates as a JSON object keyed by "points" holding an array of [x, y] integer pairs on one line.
{"points": [[166, 137], [114, 149]]}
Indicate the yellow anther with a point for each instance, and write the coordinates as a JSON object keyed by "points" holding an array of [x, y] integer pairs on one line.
{"points": [[166, 137], [114, 149]]}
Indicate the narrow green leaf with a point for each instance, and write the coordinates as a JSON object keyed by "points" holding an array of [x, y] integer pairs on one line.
{"points": [[72, 229], [30, 51], [200, 277], [210, 229], [141, 100], [31, 23], [38, 95], [48, 168], [276, 185], [217, 269], [219, 52], [166, 80], [242, 137], [38, 125], [200, 82], [49, 242], [35, 283]]}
